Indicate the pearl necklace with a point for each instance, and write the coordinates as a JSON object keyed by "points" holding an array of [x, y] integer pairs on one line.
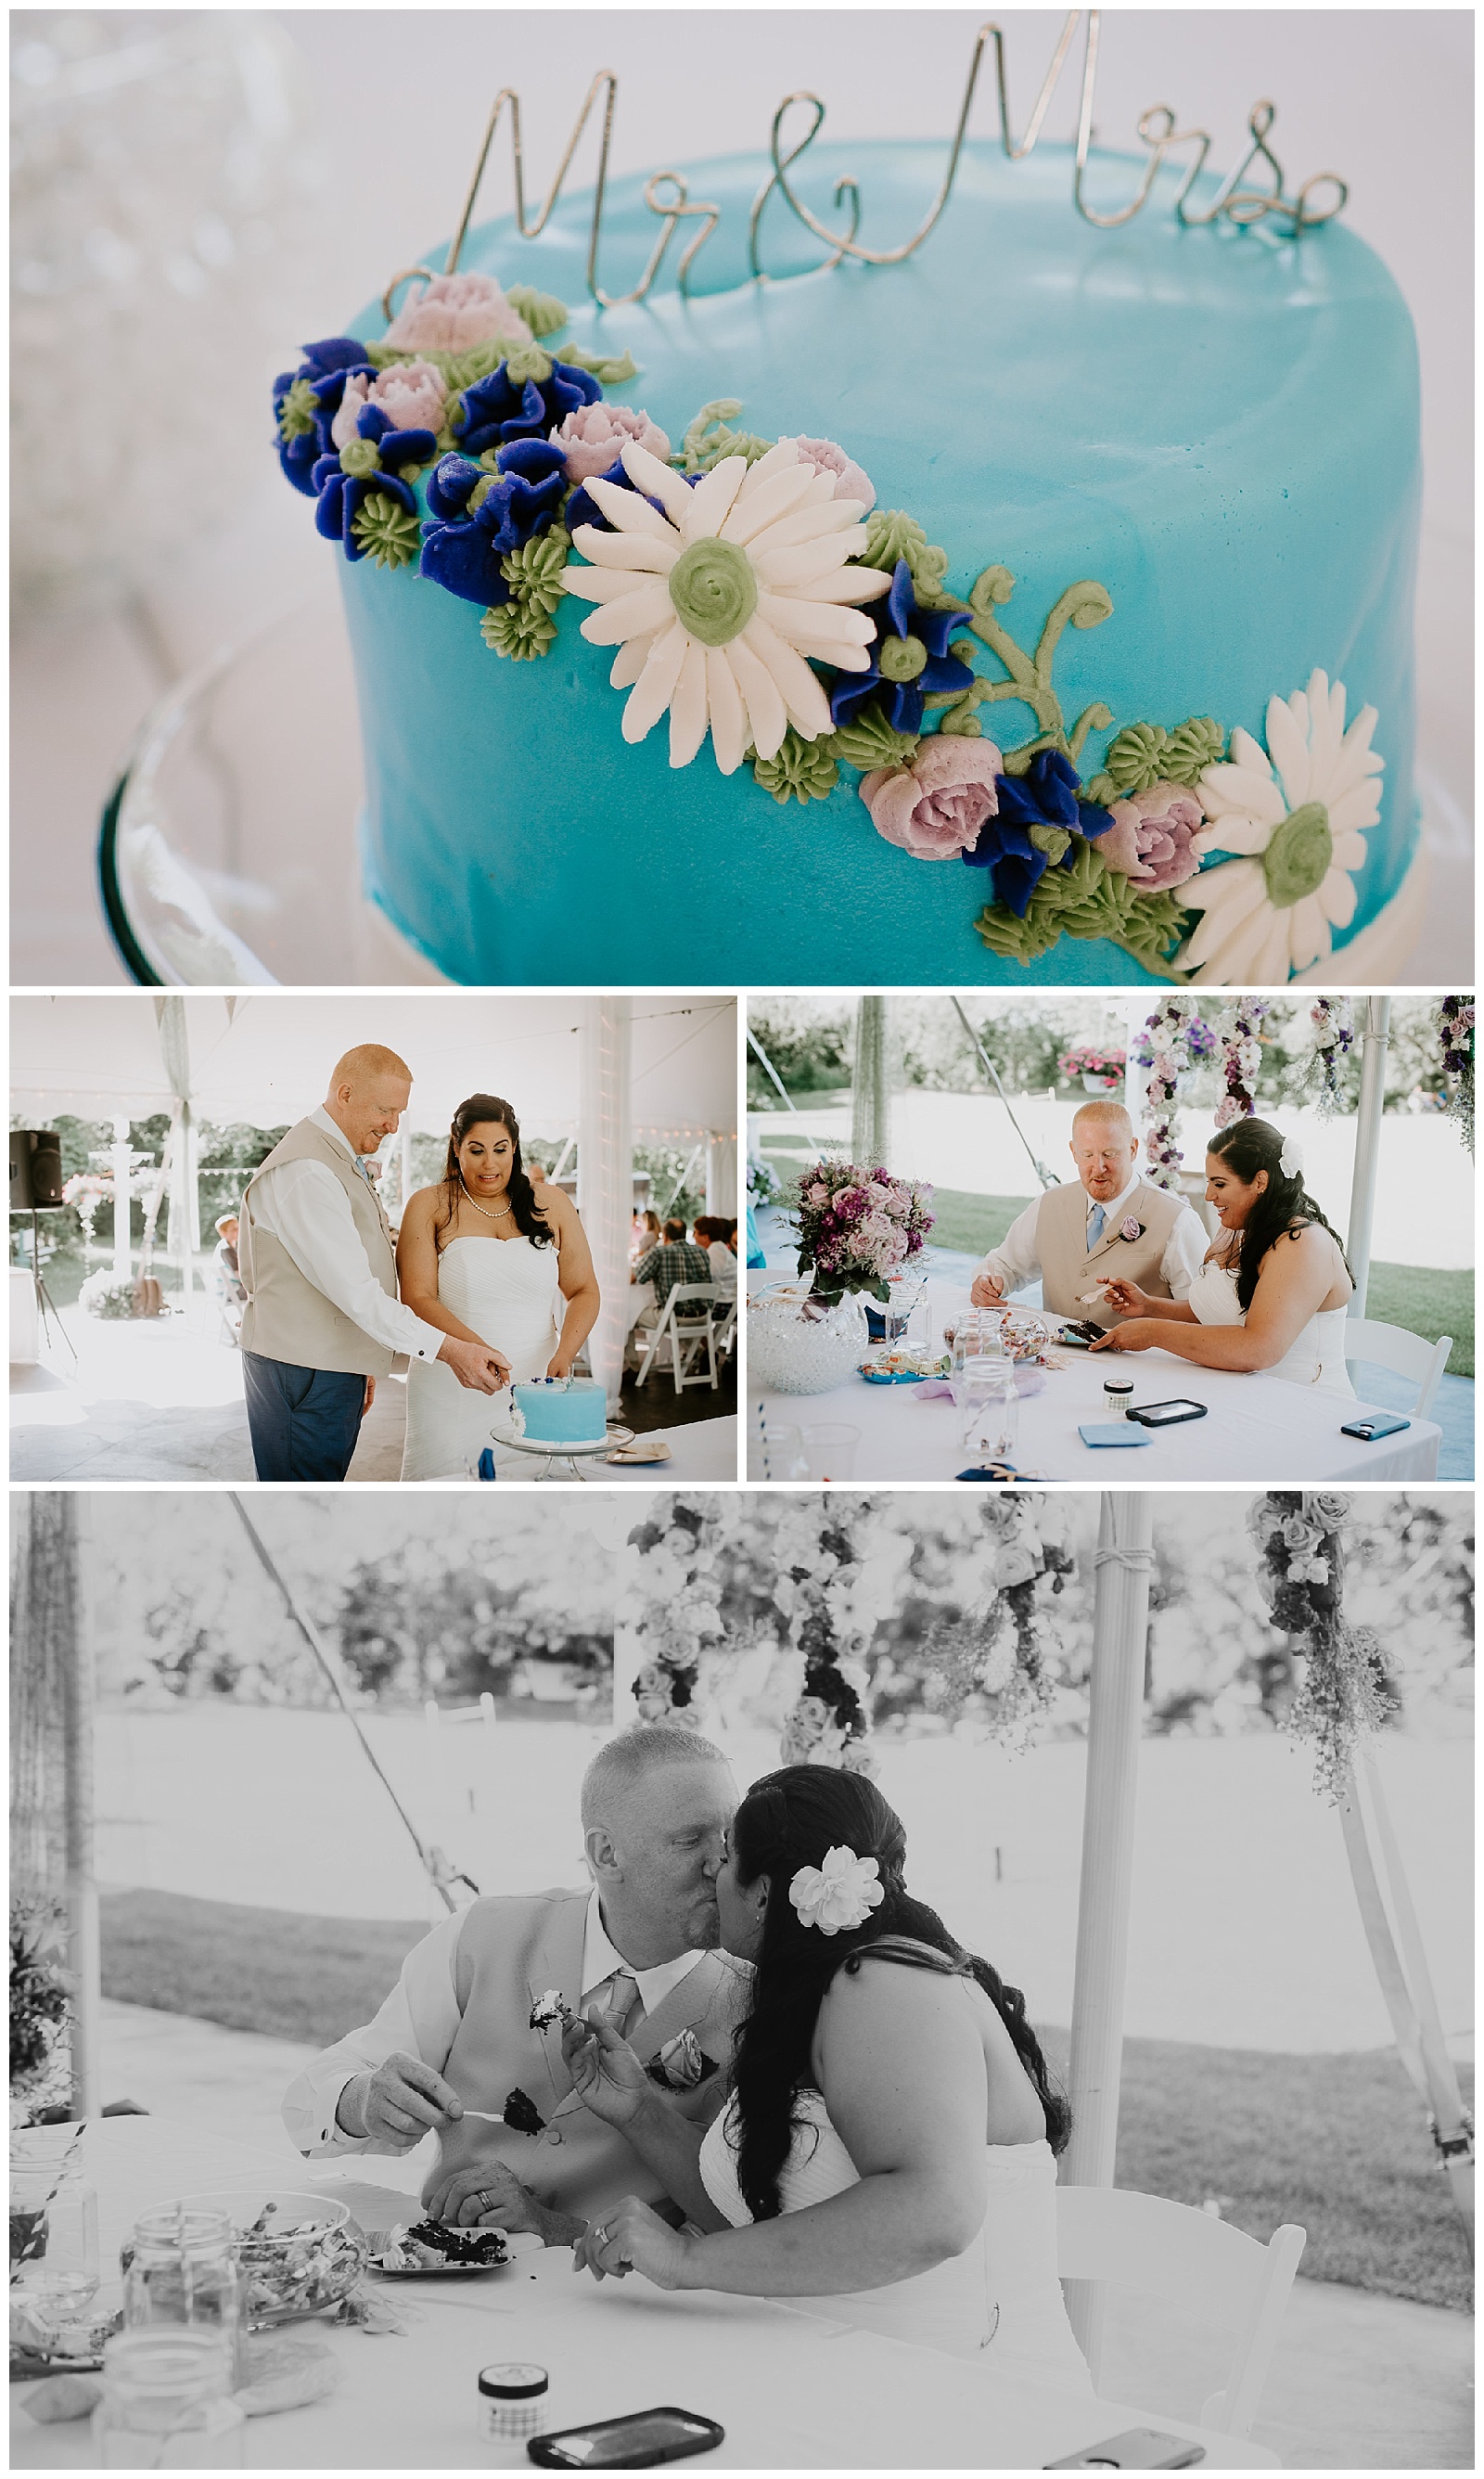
{"points": [[491, 1214]]}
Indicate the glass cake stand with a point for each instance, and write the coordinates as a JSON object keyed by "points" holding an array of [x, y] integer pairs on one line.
{"points": [[573, 1454], [227, 854]]}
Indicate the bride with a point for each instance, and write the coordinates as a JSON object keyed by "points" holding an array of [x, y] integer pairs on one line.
{"points": [[885, 2157], [1272, 1292], [479, 1257]]}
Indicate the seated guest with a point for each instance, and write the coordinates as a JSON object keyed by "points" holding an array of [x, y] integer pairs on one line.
{"points": [[711, 1235], [231, 1291], [643, 1233], [675, 1261], [1107, 1224], [638, 1948]]}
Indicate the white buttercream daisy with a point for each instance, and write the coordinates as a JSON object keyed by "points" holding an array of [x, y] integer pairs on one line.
{"points": [[715, 605], [1299, 810]]}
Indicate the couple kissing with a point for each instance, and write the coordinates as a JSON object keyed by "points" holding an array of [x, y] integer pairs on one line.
{"points": [[744, 2059]]}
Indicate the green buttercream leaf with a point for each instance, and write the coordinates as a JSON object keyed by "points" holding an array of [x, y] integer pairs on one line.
{"points": [[543, 313], [803, 769], [891, 535], [1053, 841], [1196, 745], [533, 573], [709, 438], [385, 533], [609, 370], [961, 723], [524, 362], [869, 741], [1085, 901], [457, 371], [1102, 789], [519, 630], [296, 412], [1136, 759]]}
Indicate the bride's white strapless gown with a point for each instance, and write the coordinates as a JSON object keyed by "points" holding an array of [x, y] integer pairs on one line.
{"points": [[999, 2303], [506, 1292], [1315, 1357]]}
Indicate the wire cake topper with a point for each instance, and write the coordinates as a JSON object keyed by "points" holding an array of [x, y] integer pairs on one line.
{"points": [[666, 195]]}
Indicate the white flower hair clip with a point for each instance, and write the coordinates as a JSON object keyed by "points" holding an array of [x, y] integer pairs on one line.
{"points": [[1290, 1159], [840, 1895]]}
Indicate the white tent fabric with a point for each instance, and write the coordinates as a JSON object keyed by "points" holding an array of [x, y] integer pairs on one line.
{"points": [[605, 1176], [267, 1057]]}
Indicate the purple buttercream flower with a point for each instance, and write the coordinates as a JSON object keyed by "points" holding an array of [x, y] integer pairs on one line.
{"points": [[497, 408], [1015, 846], [372, 461], [463, 548], [934, 807], [909, 660], [324, 370], [1152, 835]]}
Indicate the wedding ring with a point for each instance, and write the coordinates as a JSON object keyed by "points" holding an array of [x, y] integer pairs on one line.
{"points": [[601, 2237], [486, 2198]]}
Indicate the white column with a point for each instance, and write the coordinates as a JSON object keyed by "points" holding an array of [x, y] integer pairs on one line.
{"points": [[605, 1174], [123, 1266], [404, 1165], [1376, 1032], [79, 1700], [1119, 1625], [721, 1174]]}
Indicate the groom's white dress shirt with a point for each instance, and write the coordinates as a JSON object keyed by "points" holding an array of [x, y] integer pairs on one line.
{"points": [[1016, 1262], [421, 2017], [303, 1207]]}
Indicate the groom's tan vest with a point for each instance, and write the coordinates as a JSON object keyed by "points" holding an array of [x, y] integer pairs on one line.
{"points": [[512, 1948], [1069, 1267], [286, 1319]]}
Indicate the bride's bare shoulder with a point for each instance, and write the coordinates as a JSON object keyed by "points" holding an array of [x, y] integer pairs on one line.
{"points": [[421, 1206]]}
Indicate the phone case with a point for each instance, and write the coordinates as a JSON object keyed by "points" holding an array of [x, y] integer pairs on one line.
{"points": [[1138, 2448], [547, 2450], [1143, 1413], [1383, 1427], [1111, 1433]]}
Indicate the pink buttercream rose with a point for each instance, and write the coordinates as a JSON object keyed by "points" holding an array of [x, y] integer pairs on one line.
{"points": [[1152, 837], [453, 312], [826, 457], [411, 395], [934, 807], [596, 436]]}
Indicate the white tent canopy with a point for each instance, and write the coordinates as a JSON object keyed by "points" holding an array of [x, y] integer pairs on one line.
{"points": [[267, 1057]]}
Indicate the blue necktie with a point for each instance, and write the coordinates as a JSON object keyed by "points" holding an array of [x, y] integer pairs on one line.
{"points": [[1094, 1228]]}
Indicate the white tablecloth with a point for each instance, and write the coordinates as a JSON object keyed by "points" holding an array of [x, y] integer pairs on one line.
{"points": [[1257, 1428], [790, 2391]]}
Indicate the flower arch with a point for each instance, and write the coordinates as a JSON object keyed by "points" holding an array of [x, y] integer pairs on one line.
{"points": [[676, 1606], [1000, 1645]]}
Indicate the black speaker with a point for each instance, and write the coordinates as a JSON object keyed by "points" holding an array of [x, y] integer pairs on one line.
{"points": [[36, 1170]]}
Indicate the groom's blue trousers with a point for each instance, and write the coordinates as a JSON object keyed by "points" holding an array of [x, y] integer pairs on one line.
{"points": [[304, 1422]]}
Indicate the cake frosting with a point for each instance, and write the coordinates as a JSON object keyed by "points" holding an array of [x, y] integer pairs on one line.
{"points": [[560, 1411], [1093, 551]]}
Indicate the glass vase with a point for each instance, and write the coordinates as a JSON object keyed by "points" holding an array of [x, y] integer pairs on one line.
{"points": [[804, 1347]]}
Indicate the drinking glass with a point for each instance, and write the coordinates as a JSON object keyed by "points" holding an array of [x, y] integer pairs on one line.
{"points": [[54, 2252], [991, 1407], [830, 1449], [167, 2402], [782, 1451]]}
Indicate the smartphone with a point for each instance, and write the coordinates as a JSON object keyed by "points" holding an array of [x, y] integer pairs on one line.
{"points": [[635, 2442], [1377, 1424], [1138, 2448], [1166, 1416]]}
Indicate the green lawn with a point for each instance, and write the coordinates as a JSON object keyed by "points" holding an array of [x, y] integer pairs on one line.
{"points": [[1337, 2143]]}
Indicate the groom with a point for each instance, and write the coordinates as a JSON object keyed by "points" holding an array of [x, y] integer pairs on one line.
{"points": [[1108, 1222], [322, 1320], [638, 1945]]}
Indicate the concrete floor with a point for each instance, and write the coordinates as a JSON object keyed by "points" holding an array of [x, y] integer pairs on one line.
{"points": [[162, 1401], [1358, 2382]]}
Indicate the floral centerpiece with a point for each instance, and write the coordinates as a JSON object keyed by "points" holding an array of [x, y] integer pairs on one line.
{"points": [[857, 1230], [1100, 1068], [40, 2011]]}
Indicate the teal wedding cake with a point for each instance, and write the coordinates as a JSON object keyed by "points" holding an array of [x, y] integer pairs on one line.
{"points": [[1036, 609], [560, 1411]]}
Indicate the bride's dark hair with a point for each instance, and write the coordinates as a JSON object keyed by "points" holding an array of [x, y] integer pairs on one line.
{"points": [[480, 1108], [789, 1821], [1285, 1207]]}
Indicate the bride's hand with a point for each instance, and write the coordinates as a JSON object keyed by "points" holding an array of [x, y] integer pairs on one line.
{"points": [[632, 2238], [1135, 1334], [607, 2076], [560, 1364], [1126, 1297]]}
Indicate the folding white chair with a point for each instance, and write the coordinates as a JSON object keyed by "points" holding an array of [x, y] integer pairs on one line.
{"points": [[687, 1337], [1189, 2259], [1407, 1355], [726, 1331]]}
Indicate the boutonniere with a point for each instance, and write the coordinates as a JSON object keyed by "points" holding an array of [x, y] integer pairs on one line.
{"points": [[1131, 1228], [682, 2064]]}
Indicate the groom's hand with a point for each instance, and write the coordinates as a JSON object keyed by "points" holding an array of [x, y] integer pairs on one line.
{"points": [[370, 1396], [494, 2196], [475, 1364], [397, 2102], [986, 1292]]}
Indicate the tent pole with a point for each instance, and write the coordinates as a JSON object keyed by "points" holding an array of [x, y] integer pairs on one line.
{"points": [[1367, 1146], [1119, 1627], [79, 1704], [122, 1264], [605, 1175]]}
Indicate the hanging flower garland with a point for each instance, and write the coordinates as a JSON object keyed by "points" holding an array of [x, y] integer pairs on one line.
{"points": [[820, 1591], [1241, 1059], [1342, 1699], [1316, 1078], [998, 1647], [679, 1593], [1455, 1031], [1175, 1039]]}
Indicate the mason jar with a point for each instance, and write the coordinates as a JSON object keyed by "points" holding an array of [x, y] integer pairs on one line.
{"points": [[179, 2268], [167, 2402], [53, 2253]]}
